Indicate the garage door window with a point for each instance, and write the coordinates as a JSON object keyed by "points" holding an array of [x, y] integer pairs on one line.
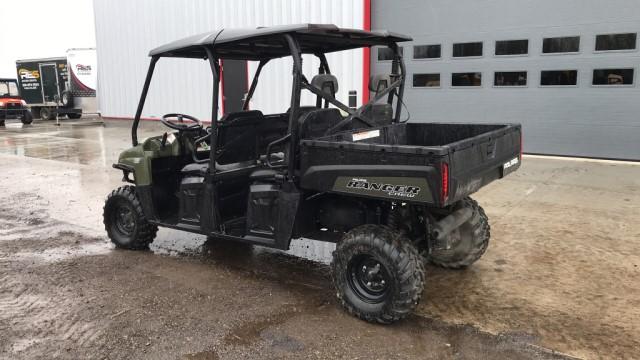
{"points": [[559, 45], [466, 79], [510, 78], [470, 49], [559, 78], [616, 42], [512, 47], [612, 77], [386, 54], [427, 52], [426, 80]]}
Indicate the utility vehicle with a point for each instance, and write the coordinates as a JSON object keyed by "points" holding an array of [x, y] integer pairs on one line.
{"points": [[12, 106], [390, 194]]}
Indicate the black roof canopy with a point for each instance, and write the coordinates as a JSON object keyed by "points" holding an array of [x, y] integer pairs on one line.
{"points": [[266, 43]]}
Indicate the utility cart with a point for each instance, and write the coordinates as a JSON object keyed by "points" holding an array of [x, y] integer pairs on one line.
{"points": [[390, 194]]}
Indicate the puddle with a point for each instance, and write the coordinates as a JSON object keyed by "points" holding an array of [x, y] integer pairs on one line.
{"points": [[62, 253]]}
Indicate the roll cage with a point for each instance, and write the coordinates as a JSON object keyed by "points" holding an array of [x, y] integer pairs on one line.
{"points": [[264, 44]]}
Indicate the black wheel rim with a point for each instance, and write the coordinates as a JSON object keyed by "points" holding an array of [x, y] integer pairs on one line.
{"points": [[368, 278], [124, 220]]}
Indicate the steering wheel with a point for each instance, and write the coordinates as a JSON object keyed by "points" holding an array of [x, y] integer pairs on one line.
{"points": [[195, 125]]}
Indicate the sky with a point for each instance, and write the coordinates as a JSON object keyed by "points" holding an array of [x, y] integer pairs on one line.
{"points": [[43, 28]]}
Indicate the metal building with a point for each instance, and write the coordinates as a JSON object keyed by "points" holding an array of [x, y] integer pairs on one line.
{"points": [[565, 69], [127, 30]]}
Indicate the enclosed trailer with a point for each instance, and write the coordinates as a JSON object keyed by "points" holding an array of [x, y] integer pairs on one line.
{"points": [[60, 85]]}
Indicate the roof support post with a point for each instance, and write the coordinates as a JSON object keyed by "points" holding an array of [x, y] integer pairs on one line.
{"points": [[295, 103], [254, 83], [143, 98], [215, 69], [398, 69]]}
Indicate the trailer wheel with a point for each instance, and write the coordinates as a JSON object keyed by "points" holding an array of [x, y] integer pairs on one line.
{"points": [[125, 222], [378, 274], [27, 118], [46, 113], [467, 243]]}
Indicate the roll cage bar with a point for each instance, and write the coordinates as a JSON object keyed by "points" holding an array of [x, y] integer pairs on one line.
{"points": [[395, 89]]}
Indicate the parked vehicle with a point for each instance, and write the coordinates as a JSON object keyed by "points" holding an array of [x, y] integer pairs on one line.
{"points": [[390, 194], [12, 106], [61, 85]]}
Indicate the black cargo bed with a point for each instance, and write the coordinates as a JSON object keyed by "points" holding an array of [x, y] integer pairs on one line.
{"points": [[474, 154]]}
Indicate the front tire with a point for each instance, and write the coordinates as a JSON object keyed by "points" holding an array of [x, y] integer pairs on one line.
{"points": [[378, 274], [125, 222], [467, 243]]}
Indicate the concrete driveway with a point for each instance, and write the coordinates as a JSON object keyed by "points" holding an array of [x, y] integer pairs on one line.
{"points": [[559, 279]]}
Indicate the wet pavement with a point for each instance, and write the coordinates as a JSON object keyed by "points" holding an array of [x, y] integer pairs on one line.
{"points": [[559, 278]]}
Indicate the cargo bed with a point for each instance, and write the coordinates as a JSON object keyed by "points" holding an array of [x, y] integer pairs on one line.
{"points": [[448, 161]]}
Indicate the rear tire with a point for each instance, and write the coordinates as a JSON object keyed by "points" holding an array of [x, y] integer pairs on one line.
{"points": [[378, 274], [46, 113], [468, 243], [27, 118], [125, 222]]}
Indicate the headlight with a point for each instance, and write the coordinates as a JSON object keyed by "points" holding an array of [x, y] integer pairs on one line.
{"points": [[1, 104], [24, 103]]}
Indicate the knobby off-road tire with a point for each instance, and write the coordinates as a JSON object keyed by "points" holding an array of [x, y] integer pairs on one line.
{"points": [[378, 274], [27, 118], [468, 243], [126, 224]]}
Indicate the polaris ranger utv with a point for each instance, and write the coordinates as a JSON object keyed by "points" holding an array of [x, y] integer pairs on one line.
{"points": [[390, 194], [12, 106]]}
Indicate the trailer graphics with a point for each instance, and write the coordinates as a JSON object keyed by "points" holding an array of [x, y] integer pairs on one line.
{"points": [[62, 85]]}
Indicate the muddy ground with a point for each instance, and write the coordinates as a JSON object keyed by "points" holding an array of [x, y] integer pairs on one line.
{"points": [[559, 279]]}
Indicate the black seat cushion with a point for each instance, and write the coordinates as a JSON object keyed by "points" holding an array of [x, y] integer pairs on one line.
{"points": [[238, 135], [315, 123]]}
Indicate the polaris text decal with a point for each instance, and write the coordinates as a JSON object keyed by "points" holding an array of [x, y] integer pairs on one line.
{"points": [[389, 189]]}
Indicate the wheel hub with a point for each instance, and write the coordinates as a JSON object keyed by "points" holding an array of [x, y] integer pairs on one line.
{"points": [[125, 221], [368, 278]]}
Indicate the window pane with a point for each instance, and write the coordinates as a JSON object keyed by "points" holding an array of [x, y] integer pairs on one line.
{"points": [[616, 42], [426, 80], [467, 49], [13, 89], [426, 52], [510, 78], [385, 53], [559, 77], [561, 44], [512, 47], [613, 77], [466, 79]]}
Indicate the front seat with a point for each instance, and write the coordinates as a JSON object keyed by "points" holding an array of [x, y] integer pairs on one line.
{"points": [[326, 83]]}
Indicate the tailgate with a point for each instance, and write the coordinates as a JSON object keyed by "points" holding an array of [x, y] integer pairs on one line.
{"points": [[477, 161]]}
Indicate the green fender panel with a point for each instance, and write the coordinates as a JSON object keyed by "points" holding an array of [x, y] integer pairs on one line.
{"points": [[139, 157]]}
